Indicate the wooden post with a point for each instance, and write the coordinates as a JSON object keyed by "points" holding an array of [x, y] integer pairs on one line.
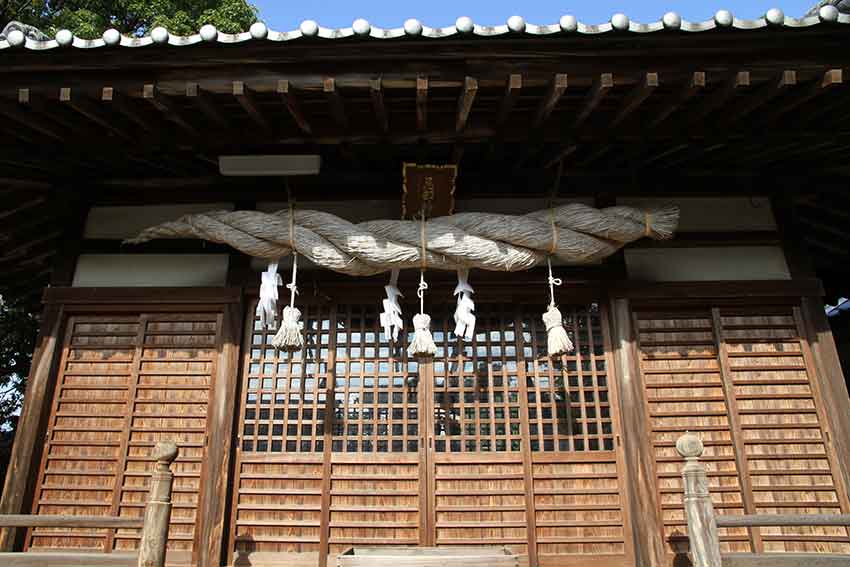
{"points": [[699, 510], [23, 465], [637, 452], [158, 509]]}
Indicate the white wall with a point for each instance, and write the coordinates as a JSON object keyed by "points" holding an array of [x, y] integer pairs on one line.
{"points": [[151, 270], [118, 223], [707, 264], [715, 214]]}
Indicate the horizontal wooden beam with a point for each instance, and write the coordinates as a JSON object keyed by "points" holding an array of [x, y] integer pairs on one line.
{"points": [[44, 521]]}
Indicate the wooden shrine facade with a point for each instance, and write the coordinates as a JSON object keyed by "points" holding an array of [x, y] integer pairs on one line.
{"points": [[351, 442]]}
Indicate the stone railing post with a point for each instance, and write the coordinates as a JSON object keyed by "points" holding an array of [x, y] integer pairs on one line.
{"points": [[699, 510], [158, 508]]}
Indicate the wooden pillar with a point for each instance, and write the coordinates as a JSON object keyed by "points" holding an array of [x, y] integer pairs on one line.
{"points": [[699, 509], [158, 509], [637, 448], [21, 473], [216, 471], [830, 382]]}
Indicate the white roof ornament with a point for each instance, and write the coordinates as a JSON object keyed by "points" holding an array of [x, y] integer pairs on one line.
{"points": [[209, 33], [64, 38], [464, 25], [112, 37], [568, 23], [516, 24], [309, 28], [620, 22], [160, 35], [724, 18], [775, 17], [259, 30], [413, 27], [361, 27], [672, 21]]}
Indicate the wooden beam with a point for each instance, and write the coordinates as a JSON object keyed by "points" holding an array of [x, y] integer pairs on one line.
{"points": [[730, 87], [693, 86], [421, 103], [560, 155], [601, 87], [550, 100], [125, 105], [509, 99], [246, 99], [830, 79], [334, 99], [94, 113], [769, 91], [169, 109], [376, 92], [31, 120], [641, 92], [284, 89], [464, 103], [207, 105]]}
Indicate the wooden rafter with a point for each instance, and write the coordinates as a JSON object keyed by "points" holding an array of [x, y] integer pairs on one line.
{"points": [[284, 89], [169, 109], [376, 93], [124, 105], [93, 112], [561, 154], [421, 103], [601, 87], [31, 120], [509, 99], [248, 101], [694, 85], [765, 94], [727, 90], [831, 78], [334, 98], [465, 102], [550, 100], [207, 105], [641, 92]]}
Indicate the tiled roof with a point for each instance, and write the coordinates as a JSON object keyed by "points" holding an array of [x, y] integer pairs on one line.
{"points": [[464, 27], [843, 306]]}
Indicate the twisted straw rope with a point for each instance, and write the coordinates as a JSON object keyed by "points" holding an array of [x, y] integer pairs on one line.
{"points": [[581, 235]]}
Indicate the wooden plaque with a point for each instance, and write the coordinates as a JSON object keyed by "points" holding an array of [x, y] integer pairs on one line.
{"points": [[429, 189]]}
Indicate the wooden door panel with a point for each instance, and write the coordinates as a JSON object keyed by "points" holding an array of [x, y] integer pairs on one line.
{"points": [[457, 451], [125, 383], [741, 379]]}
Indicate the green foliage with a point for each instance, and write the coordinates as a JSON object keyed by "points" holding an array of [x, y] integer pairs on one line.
{"points": [[90, 18], [18, 330]]}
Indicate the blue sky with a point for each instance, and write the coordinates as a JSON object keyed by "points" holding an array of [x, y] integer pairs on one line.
{"points": [[287, 14]]}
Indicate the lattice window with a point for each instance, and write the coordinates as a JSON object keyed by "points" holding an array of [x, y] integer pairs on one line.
{"points": [[478, 385], [375, 388], [286, 393], [568, 403]]}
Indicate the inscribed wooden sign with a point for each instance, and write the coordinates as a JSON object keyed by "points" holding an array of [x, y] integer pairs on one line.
{"points": [[429, 189]]}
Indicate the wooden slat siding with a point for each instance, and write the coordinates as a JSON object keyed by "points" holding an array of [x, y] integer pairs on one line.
{"points": [[34, 416], [759, 367], [124, 383], [797, 451], [681, 400]]}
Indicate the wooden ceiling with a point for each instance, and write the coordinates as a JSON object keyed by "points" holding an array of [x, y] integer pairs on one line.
{"points": [[760, 112]]}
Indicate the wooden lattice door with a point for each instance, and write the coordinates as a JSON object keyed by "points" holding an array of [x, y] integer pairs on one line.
{"points": [[351, 442], [125, 382]]}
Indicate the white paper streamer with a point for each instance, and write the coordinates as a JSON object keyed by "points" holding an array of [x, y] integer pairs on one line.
{"points": [[464, 313], [267, 306], [391, 319]]}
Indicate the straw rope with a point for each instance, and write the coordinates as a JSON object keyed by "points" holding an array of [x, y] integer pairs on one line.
{"points": [[574, 234]]}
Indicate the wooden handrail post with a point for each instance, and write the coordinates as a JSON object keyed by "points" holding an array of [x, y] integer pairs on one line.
{"points": [[699, 510], [158, 509]]}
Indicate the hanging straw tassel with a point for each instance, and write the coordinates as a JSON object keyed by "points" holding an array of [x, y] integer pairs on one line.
{"points": [[391, 320], [288, 337], [267, 306], [464, 313], [557, 342]]}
